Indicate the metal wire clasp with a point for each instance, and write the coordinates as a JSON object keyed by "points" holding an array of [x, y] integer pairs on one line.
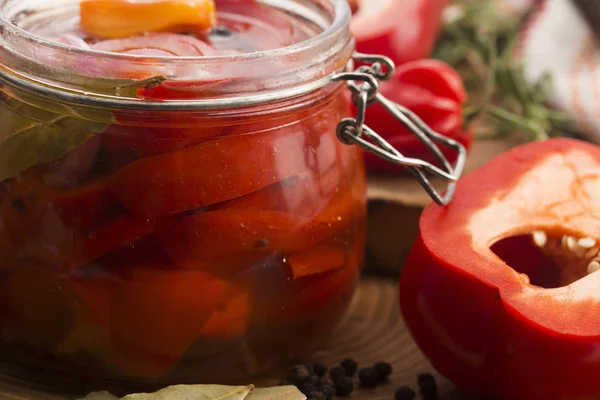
{"points": [[364, 84]]}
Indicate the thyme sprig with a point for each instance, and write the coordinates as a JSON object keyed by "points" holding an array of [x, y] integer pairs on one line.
{"points": [[479, 42]]}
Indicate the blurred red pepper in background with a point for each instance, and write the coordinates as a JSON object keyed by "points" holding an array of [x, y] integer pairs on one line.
{"points": [[404, 30], [435, 92]]}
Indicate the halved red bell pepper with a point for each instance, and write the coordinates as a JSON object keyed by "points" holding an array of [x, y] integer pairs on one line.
{"points": [[219, 170], [525, 330], [435, 92]]}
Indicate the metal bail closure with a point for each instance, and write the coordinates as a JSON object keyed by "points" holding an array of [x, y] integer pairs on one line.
{"points": [[364, 84]]}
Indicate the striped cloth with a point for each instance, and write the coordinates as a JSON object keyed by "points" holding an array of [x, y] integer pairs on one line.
{"points": [[557, 40]]}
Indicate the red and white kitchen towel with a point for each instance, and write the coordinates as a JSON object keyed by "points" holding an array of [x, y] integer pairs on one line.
{"points": [[557, 40]]}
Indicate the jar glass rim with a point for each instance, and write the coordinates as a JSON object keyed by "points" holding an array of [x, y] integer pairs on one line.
{"points": [[341, 18], [253, 78]]}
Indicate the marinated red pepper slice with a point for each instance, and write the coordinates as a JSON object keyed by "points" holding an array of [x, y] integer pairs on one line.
{"points": [[118, 233], [82, 208], [126, 18], [500, 329], [315, 261], [133, 361], [210, 235], [161, 312], [316, 295], [228, 234], [218, 170], [37, 309], [231, 320], [157, 135], [306, 195], [90, 331], [88, 206]]}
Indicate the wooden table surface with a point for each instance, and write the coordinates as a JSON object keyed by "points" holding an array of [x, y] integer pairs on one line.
{"points": [[371, 331]]}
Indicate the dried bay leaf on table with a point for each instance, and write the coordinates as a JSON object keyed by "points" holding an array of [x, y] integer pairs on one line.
{"points": [[276, 393], [195, 392], [100, 396], [209, 392]]}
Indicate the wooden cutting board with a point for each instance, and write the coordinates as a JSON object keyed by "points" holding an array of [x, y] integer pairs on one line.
{"points": [[371, 331]]}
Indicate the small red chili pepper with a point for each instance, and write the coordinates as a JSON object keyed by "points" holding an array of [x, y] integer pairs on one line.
{"points": [[500, 290], [404, 30], [435, 92]]}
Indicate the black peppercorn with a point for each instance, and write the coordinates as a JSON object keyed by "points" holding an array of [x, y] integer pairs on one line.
{"points": [[368, 377], [337, 373], [405, 393], [298, 373], [320, 369], [383, 369], [325, 381], [317, 396], [307, 388], [314, 379], [328, 388], [427, 386], [350, 366], [344, 386]]}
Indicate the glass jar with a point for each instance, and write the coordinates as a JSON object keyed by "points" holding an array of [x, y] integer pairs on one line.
{"points": [[177, 219]]}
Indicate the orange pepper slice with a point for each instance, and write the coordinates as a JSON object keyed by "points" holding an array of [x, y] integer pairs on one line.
{"points": [[117, 19]]}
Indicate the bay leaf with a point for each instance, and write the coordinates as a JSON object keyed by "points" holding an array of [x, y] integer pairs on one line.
{"points": [[118, 87], [195, 392], [99, 396], [276, 393], [18, 117], [51, 106], [40, 130], [41, 142], [209, 392]]}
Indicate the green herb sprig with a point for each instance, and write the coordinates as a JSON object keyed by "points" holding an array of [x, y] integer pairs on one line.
{"points": [[479, 43]]}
